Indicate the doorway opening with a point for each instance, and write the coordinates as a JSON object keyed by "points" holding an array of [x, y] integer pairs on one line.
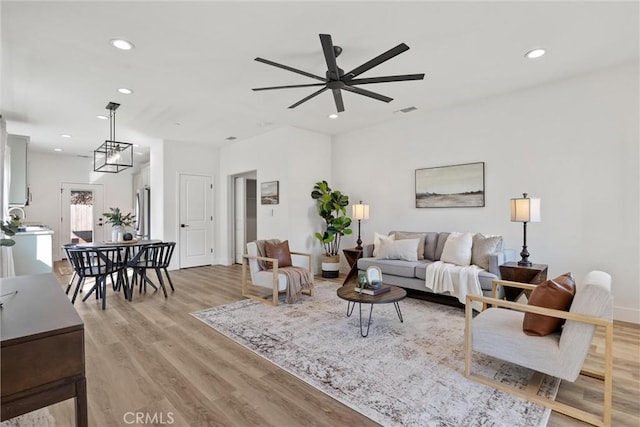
{"points": [[245, 212], [81, 208]]}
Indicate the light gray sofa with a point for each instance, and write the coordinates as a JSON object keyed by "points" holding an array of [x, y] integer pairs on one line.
{"points": [[412, 274]]}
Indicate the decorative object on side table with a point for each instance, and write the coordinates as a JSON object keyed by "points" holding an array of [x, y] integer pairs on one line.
{"points": [[513, 272], [331, 205], [119, 221], [360, 212], [525, 210]]}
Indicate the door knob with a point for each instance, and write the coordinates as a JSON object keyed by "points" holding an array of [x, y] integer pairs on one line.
{"points": [[184, 225]]}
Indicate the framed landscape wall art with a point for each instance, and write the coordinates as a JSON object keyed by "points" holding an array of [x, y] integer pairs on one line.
{"points": [[269, 193], [456, 186]]}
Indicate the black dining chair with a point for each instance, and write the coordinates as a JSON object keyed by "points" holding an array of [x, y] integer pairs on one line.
{"points": [[74, 275], [99, 264], [152, 257]]}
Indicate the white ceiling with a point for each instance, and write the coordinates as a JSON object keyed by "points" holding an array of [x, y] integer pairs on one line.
{"points": [[192, 69]]}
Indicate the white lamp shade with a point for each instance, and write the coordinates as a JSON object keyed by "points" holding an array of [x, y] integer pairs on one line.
{"points": [[525, 210], [360, 211]]}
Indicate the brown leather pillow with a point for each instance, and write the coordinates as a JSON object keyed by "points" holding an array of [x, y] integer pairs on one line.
{"points": [[279, 251], [556, 294]]}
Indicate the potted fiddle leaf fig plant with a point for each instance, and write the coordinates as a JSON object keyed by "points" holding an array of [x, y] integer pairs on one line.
{"points": [[119, 221], [331, 205]]}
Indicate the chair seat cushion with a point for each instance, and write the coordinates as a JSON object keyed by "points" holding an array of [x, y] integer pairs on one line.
{"points": [[265, 279], [498, 332]]}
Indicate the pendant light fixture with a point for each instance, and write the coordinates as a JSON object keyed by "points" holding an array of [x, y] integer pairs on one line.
{"points": [[112, 156]]}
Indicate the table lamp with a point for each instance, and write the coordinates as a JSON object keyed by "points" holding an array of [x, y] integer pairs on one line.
{"points": [[360, 212], [525, 210]]}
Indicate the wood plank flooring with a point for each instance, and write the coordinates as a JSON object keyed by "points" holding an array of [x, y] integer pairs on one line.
{"points": [[151, 358]]}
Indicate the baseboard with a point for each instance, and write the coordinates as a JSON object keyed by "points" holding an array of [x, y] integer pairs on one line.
{"points": [[625, 314]]}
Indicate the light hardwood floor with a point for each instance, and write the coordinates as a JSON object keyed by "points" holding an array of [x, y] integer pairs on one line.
{"points": [[149, 356]]}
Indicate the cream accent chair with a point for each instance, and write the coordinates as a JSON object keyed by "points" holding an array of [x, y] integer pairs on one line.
{"points": [[277, 282], [497, 332]]}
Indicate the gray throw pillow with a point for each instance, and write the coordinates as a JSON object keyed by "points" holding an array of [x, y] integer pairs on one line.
{"points": [[402, 235], [484, 246]]}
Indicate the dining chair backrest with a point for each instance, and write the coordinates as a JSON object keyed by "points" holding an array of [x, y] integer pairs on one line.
{"points": [[95, 262], [165, 253]]}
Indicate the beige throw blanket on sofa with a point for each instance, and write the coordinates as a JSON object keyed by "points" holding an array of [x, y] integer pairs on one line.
{"points": [[458, 281], [298, 278]]}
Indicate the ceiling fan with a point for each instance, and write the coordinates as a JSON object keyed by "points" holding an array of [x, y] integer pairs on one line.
{"points": [[336, 79]]}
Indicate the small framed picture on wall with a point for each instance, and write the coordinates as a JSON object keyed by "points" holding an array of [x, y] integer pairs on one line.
{"points": [[269, 193]]}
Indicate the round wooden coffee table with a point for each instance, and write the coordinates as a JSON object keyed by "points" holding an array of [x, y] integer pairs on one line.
{"points": [[348, 293]]}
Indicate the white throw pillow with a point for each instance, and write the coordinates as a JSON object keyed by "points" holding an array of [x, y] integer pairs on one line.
{"points": [[457, 249], [377, 237], [405, 249]]}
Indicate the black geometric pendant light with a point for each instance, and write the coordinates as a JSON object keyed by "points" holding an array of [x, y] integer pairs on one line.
{"points": [[112, 156]]}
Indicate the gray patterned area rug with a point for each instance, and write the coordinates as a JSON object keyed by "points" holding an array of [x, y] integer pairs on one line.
{"points": [[402, 374]]}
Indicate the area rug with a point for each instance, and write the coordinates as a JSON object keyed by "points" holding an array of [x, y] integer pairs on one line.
{"points": [[38, 418], [402, 374]]}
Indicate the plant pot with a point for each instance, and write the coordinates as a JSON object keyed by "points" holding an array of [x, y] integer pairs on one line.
{"points": [[330, 266], [117, 233]]}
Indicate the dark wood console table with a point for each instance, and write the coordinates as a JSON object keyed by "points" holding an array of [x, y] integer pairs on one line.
{"points": [[352, 256], [534, 274], [42, 348]]}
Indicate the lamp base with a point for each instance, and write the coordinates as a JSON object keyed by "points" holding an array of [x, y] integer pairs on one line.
{"points": [[522, 263]]}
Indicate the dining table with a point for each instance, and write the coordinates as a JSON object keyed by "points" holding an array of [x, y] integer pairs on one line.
{"points": [[131, 252]]}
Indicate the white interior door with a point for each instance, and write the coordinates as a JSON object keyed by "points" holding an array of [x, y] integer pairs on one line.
{"points": [[196, 221], [81, 209]]}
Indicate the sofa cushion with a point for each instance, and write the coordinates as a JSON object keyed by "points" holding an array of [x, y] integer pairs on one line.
{"points": [[279, 251], [556, 294], [406, 249], [403, 235], [483, 246], [393, 267], [430, 243], [376, 241], [457, 249], [442, 238]]}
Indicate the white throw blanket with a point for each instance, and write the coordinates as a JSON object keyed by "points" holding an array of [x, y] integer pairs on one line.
{"points": [[458, 281]]}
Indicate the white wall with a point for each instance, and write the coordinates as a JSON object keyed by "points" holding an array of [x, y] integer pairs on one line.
{"points": [[46, 172], [297, 159], [573, 143], [167, 164]]}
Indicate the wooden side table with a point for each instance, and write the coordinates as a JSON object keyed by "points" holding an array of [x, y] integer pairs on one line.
{"points": [[352, 255], [537, 273]]}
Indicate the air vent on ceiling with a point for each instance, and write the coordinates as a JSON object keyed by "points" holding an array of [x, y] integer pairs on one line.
{"points": [[406, 110], [231, 138], [84, 156]]}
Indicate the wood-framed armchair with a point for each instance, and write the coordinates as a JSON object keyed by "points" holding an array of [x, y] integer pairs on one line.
{"points": [[497, 332], [271, 278]]}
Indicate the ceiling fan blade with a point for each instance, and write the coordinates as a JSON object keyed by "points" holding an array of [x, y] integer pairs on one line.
{"points": [[309, 97], [376, 61], [368, 93], [284, 67], [288, 87], [329, 56], [387, 79], [337, 97]]}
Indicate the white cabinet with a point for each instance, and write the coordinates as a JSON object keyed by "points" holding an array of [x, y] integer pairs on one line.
{"points": [[18, 189], [32, 253]]}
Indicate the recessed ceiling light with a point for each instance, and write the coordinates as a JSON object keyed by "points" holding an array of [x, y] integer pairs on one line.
{"points": [[535, 53], [333, 116], [101, 117], [125, 91], [65, 135], [121, 44], [57, 149]]}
